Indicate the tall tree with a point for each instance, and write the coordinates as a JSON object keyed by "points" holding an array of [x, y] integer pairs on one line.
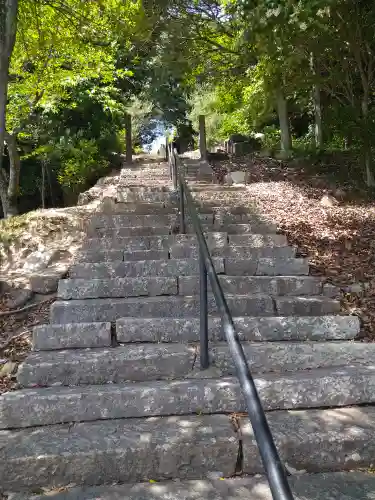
{"points": [[8, 30]]}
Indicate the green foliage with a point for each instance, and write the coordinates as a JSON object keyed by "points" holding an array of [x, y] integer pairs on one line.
{"points": [[81, 164], [271, 139]]}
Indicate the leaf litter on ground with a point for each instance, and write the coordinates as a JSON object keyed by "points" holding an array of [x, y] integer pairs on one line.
{"points": [[338, 241]]}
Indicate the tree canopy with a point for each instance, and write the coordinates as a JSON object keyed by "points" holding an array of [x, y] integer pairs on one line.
{"points": [[301, 72]]}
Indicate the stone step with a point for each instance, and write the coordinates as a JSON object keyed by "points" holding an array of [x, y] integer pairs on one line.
{"points": [[237, 228], [142, 268], [116, 287], [156, 242], [242, 285], [265, 266], [144, 196], [185, 251], [78, 288], [70, 336], [144, 362], [272, 329], [83, 335], [185, 447], [315, 388], [124, 220], [163, 209], [157, 220], [258, 240], [138, 208], [325, 486], [78, 311], [109, 232], [113, 255], [262, 266]]}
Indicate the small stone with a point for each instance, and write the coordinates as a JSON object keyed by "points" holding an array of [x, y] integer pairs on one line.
{"points": [[328, 201], [228, 180], [47, 281], [39, 260], [238, 177], [356, 288], [7, 369], [18, 297]]}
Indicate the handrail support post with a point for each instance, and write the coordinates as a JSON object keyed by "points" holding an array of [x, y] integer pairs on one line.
{"points": [[204, 359], [182, 209]]}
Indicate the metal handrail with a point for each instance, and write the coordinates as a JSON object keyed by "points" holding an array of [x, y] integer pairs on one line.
{"points": [[273, 466]]}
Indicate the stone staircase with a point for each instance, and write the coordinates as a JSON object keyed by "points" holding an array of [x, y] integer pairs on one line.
{"points": [[113, 404]]}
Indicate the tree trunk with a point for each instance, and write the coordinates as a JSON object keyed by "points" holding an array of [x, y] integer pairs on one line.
{"points": [[43, 189], [318, 117], [8, 30], [4, 192], [14, 174], [202, 137], [282, 109], [370, 181], [318, 135], [129, 146], [50, 187]]}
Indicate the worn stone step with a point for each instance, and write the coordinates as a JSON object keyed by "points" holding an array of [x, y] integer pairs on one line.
{"points": [[162, 209], [325, 486], [142, 268], [248, 328], [185, 447], [100, 366], [78, 288], [125, 220], [280, 285], [263, 266], [186, 251], [317, 440], [112, 451], [238, 228], [110, 232], [160, 242], [83, 335], [143, 362], [266, 266], [143, 196], [137, 208], [113, 255], [322, 387], [258, 240], [116, 287], [49, 337], [77, 311], [211, 218], [120, 231]]}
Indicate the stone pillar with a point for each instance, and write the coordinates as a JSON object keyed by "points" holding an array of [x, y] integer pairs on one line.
{"points": [[129, 147], [202, 137]]}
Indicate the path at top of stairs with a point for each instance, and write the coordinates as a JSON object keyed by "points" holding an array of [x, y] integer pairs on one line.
{"points": [[113, 391]]}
